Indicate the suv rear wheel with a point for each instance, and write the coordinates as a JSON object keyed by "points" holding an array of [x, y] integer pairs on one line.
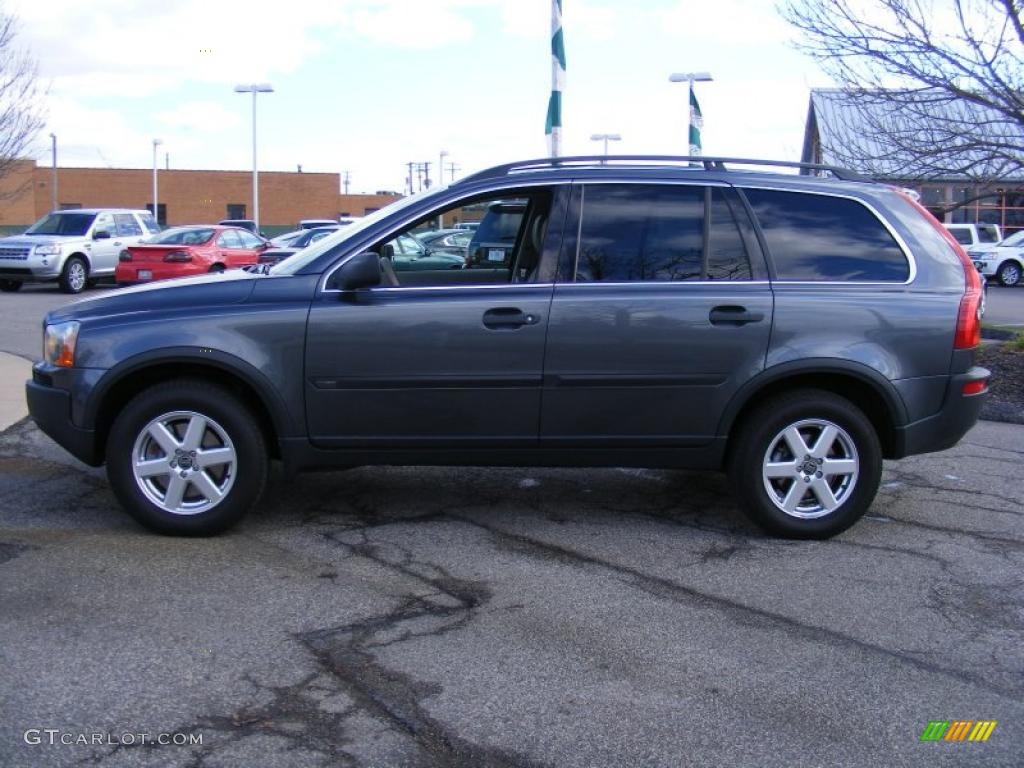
{"points": [[187, 458], [806, 464], [10, 286]]}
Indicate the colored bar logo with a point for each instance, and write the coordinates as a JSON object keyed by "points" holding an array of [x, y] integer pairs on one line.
{"points": [[958, 730]]}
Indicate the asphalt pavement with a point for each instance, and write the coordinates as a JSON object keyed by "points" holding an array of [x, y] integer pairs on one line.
{"points": [[509, 617]]}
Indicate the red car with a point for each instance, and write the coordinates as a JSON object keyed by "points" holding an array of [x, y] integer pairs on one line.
{"points": [[184, 251]]}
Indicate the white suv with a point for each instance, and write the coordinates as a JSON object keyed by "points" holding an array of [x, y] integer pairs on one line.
{"points": [[1004, 261], [74, 247]]}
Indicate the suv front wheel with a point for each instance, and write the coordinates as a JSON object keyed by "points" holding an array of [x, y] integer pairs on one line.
{"points": [[74, 276], [187, 458], [806, 464]]}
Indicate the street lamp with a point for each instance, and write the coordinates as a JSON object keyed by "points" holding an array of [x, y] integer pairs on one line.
{"points": [[606, 137], [255, 88], [691, 78], [53, 139], [156, 208]]}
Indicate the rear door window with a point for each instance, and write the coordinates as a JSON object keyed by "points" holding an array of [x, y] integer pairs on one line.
{"points": [[660, 233], [813, 237], [127, 226], [229, 239]]}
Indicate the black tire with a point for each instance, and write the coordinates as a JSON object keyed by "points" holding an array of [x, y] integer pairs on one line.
{"points": [[75, 275], [1009, 274], [10, 286], [225, 416], [810, 410], [217, 268]]}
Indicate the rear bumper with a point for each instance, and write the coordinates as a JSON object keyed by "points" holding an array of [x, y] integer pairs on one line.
{"points": [[50, 408], [127, 273], [944, 429]]}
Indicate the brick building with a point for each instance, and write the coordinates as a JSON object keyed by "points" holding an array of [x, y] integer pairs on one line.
{"points": [[185, 197]]}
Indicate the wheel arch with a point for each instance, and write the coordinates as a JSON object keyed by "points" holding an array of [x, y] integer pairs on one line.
{"points": [[131, 377], [80, 254], [864, 387]]}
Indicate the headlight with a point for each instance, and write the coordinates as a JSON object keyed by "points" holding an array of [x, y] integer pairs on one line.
{"points": [[59, 343], [48, 250]]}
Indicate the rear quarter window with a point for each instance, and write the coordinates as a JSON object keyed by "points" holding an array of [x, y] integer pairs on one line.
{"points": [[823, 238]]}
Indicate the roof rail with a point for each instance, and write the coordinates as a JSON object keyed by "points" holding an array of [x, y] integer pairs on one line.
{"points": [[703, 161]]}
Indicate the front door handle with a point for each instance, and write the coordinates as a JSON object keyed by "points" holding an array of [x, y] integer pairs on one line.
{"points": [[734, 315], [506, 318]]}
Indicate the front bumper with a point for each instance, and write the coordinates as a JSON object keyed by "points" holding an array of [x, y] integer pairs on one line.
{"points": [[944, 429], [50, 408], [28, 272], [987, 268]]}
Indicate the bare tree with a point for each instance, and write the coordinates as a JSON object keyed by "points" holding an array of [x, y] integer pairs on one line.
{"points": [[21, 107], [931, 89]]}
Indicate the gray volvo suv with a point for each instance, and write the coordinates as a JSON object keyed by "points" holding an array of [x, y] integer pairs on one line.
{"points": [[793, 330]]}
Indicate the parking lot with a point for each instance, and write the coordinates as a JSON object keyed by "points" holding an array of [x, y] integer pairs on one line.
{"points": [[511, 617]]}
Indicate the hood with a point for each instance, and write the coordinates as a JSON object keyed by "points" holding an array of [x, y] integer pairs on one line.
{"points": [[214, 289], [30, 240]]}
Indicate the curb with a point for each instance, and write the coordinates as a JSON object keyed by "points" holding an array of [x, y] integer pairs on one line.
{"points": [[14, 372]]}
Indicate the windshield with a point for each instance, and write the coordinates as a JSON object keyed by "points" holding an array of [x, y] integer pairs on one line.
{"points": [[182, 236], [76, 224], [1017, 238], [320, 247]]}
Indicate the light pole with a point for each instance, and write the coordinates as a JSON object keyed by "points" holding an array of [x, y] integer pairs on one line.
{"points": [[255, 88], [606, 137], [53, 183], [440, 182], [156, 208], [694, 121]]}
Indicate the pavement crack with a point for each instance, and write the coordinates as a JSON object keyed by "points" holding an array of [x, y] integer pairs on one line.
{"points": [[739, 612]]}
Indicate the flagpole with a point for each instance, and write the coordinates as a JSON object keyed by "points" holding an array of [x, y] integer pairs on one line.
{"points": [[553, 126], [696, 120]]}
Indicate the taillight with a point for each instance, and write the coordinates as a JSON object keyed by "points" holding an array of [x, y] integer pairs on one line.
{"points": [[968, 321], [124, 255], [974, 387], [178, 256]]}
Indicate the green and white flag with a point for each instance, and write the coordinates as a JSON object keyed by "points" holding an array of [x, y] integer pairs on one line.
{"points": [[696, 123], [553, 127]]}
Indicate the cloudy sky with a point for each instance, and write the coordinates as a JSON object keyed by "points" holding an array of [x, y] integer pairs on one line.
{"points": [[368, 85]]}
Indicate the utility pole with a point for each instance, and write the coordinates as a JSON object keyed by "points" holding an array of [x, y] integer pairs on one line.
{"points": [[347, 179], [156, 206], [426, 175], [452, 168], [409, 179], [53, 139], [167, 161]]}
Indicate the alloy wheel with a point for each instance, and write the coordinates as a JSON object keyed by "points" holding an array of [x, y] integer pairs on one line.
{"points": [[184, 462], [810, 468]]}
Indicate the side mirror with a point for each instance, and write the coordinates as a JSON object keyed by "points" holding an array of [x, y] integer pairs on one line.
{"points": [[361, 271], [101, 234]]}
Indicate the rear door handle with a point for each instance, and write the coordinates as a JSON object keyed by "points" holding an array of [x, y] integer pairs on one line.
{"points": [[734, 315], [506, 318]]}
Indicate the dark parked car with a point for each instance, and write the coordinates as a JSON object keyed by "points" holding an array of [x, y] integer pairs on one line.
{"points": [[409, 252], [451, 240], [294, 243], [793, 330], [247, 224]]}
